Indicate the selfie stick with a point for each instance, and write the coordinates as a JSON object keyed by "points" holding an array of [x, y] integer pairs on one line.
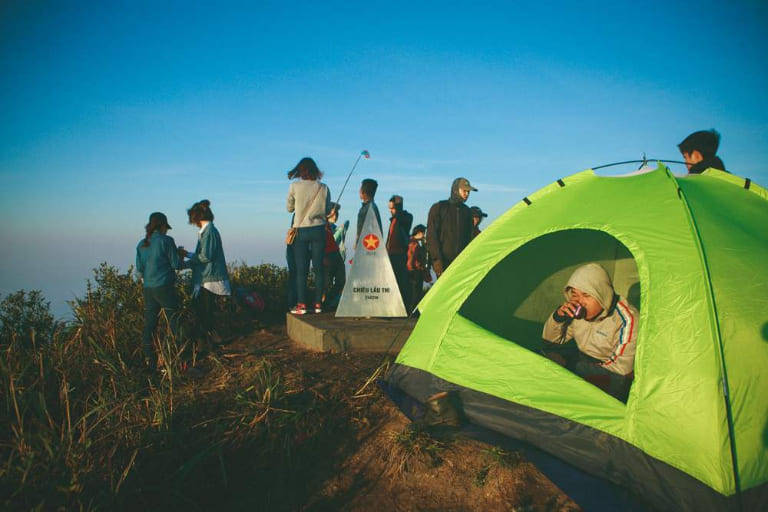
{"points": [[363, 153]]}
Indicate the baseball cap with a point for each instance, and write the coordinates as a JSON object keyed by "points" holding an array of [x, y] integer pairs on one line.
{"points": [[463, 183], [477, 212]]}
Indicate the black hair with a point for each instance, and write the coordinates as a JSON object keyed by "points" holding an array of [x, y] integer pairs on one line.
{"points": [[306, 169], [477, 212], [157, 220], [335, 207], [705, 142], [397, 201], [369, 187], [200, 211], [418, 228]]}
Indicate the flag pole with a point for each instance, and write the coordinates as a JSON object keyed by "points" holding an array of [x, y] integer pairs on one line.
{"points": [[363, 153]]}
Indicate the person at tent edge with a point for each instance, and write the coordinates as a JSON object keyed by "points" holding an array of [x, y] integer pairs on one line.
{"points": [[449, 226], [604, 326], [699, 151]]}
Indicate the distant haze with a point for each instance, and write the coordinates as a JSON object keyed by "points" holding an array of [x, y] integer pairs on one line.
{"points": [[112, 111]]}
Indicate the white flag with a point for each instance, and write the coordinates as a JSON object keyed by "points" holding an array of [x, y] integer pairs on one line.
{"points": [[371, 288]]}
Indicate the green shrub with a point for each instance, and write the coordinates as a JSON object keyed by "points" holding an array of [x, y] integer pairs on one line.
{"points": [[70, 410], [269, 281], [77, 412], [26, 316]]}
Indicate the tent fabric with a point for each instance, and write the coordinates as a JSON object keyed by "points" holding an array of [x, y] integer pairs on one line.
{"points": [[690, 252], [653, 482]]}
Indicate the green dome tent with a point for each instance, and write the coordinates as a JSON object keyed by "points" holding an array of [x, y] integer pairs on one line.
{"points": [[692, 254]]}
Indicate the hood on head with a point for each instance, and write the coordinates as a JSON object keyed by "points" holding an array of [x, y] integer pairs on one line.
{"points": [[455, 188], [593, 279], [460, 183]]}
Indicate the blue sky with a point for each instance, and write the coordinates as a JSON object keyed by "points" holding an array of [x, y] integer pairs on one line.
{"points": [[113, 110]]}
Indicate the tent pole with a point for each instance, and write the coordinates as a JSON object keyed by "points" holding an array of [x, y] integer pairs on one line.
{"points": [[645, 160], [338, 199]]}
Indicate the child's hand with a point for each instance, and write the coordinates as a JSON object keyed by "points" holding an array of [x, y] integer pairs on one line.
{"points": [[569, 309]]}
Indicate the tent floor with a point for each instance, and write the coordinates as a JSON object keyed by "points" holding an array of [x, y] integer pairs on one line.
{"points": [[326, 333]]}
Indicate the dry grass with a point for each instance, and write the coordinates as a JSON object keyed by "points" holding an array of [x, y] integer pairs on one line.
{"points": [[88, 427], [412, 450], [257, 426]]}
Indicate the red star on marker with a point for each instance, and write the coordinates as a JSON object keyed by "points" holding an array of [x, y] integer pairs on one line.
{"points": [[370, 242]]}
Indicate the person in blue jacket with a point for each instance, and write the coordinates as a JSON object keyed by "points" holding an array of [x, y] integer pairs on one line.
{"points": [[157, 260], [209, 269]]}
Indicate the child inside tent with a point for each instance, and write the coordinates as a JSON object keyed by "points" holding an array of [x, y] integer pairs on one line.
{"points": [[604, 326]]}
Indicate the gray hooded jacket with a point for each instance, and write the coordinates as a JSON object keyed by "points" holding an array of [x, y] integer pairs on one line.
{"points": [[611, 336]]}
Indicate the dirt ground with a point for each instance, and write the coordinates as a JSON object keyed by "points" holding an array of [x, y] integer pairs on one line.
{"points": [[375, 461]]}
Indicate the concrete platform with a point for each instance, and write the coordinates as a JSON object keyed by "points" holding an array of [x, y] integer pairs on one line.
{"points": [[326, 333]]}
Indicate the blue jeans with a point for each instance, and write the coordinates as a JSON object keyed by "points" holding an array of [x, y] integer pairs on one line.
{"points": [[291, 260], [155, 299], [309, 240]]}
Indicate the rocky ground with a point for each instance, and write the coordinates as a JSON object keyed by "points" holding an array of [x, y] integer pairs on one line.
{"points": [[373, 461]]}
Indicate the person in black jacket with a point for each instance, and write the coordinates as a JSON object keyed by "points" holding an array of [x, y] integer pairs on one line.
{"points": [[449, 226], [367, 193], [397, 244], [699, 151]]}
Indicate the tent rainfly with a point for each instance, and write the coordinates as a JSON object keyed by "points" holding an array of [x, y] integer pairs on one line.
{"points": [[692, 254]]}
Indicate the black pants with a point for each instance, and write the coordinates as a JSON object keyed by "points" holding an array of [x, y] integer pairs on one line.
{"points": [[416, 288], [292, 294], [335, 278], [399, 266], [204, 305], [589, 369], [156, 299]]}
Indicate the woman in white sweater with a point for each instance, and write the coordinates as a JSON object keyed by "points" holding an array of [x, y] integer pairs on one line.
{"points": [[309, 200]]}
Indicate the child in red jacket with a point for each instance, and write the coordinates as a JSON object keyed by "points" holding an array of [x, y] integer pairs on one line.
{"points": [[417, 265]]}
